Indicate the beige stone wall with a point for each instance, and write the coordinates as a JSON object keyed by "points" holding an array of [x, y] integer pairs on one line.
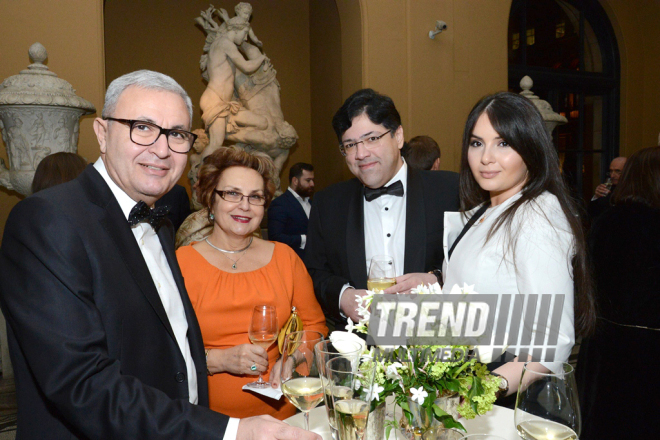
{"points": [[434, 83], [72, 32]]}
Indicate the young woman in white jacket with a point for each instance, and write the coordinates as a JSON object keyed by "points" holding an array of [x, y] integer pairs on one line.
{"points": [[525, 236]]}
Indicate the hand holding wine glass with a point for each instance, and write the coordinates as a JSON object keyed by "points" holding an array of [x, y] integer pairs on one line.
{"points": [[382, 273], [300, 379], [262, 332]]}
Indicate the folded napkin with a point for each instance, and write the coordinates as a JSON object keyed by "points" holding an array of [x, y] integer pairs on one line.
{"points": [[273, 393]]}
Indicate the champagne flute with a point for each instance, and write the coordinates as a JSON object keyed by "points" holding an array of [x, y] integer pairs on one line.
{"points": [[351, 386], [381, 273], [300, 379], [326, 350], [547, 405], [262, 332]]}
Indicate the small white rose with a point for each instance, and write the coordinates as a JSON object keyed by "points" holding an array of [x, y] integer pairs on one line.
{"points": [[344, 342]]}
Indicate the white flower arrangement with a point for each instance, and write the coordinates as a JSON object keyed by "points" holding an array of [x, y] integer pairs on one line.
{"points": [[422, 380]]}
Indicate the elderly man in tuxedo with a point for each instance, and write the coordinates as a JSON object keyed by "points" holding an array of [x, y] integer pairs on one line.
{"points": [[389, 208], [104, 340]]}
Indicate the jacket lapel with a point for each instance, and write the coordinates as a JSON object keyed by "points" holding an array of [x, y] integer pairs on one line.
{"points": [[415, 249], [114, 222], [355, 251], [297, 207], [165, 234]]}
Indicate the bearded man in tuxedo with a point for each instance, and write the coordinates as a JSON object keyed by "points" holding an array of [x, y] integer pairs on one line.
{"points": [[102, 335], [389, 208]]}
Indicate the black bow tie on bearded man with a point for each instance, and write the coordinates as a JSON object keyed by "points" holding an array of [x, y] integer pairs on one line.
{"points": [[141, 212], [395, 189]]}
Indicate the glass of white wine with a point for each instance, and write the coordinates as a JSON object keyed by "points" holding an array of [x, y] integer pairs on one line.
{"points": [[300, 379], [547, 405], [381, 273], [326, 350], [262, 332], [351, 387]]}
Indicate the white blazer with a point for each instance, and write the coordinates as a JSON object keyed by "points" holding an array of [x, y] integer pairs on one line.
{"points": [[538, 262]]}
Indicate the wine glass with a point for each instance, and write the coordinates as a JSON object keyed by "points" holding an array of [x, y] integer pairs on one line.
{"points": [[326, 350], [381, 273], [300, 379], [262, 332], [351, 387], [547, 405]]}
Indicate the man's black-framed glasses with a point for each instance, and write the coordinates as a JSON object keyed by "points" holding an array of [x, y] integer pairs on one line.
{"points": [[236, 197], [369, 142], [147, 133]]}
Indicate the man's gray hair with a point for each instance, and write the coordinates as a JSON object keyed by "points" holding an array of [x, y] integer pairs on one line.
{"points": [[145, 79]]}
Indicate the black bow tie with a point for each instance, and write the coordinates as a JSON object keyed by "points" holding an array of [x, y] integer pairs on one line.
{"points": [[142, 212], [395, 189]]}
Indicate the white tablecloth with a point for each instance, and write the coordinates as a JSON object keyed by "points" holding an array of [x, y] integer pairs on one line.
{"points": [[499, 421]]}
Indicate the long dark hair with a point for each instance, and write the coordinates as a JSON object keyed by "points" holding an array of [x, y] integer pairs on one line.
{"points": [[520, 124], [640, 180]]}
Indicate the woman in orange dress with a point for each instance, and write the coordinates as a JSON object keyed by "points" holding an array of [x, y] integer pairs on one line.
{"points": [[225, 285]]}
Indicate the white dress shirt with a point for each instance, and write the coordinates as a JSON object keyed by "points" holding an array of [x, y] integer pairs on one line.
{"points": [[169, 294], [385, 227], [385, 224], [539, 263], [307, 206]]}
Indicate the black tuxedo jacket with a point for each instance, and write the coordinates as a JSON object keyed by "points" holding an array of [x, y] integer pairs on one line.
{"points": [[287, 221], [335, 250], [93, 351]]}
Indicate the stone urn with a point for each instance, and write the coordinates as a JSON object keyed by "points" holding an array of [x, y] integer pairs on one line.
{"points": [[551, 118], [39, 115]]}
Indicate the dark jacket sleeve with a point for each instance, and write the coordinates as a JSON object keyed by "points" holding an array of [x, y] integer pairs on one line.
{"points": [[322, 267], [277, 224], [59, 332]]}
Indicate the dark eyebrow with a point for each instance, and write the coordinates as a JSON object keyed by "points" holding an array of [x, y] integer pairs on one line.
{"points": [[363, 136], [151, 121]]}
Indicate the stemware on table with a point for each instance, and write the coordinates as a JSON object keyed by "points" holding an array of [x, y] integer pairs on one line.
{"points": [[547, 405], [325, 351], [351, 388], [300, 378]]}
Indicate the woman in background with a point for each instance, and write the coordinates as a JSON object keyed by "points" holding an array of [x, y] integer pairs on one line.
{"points": [[57, 168], [617, 366], [224, 285], [526, 237]]}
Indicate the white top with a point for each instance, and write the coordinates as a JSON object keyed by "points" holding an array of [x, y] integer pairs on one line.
{"points": [[307, 207], [160, 271], [385, 224], [539, 262]]}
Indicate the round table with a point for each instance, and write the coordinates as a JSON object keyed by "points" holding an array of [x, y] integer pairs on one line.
{"points": [[499, 421]]}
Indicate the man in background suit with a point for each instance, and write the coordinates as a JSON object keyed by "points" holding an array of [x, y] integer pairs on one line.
{"points": [[288, 214], [389, 208], [103, 338]]}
